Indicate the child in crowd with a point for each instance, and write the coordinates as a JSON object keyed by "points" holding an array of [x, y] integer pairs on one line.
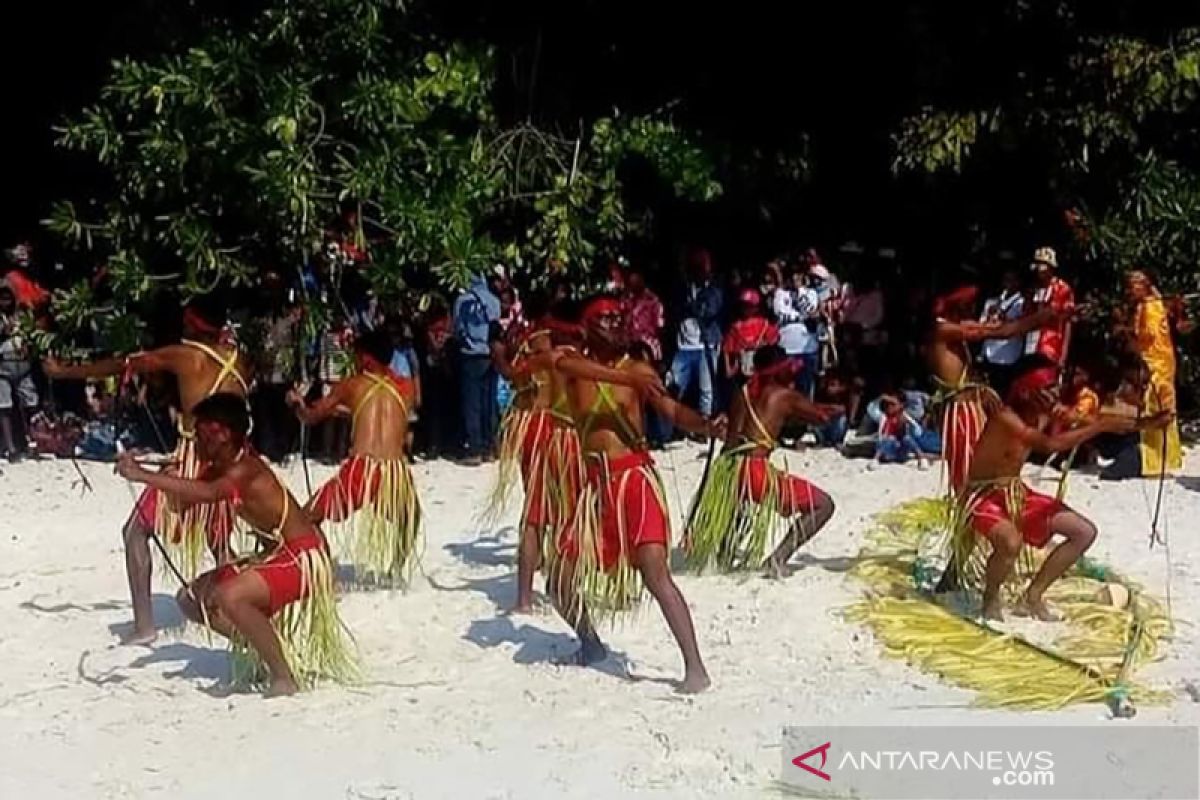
{"points": [[898, 434]]}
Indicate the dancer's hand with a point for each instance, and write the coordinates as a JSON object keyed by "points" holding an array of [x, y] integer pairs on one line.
{"points": [[1159, 420], [649, 385], [718, 427], [128, 467]]}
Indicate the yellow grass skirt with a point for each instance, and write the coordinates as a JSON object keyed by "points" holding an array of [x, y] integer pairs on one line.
{"points": [[373, 514], [1093, 660], [316, 643]]}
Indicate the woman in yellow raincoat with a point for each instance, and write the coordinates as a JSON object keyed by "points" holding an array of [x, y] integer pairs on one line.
{"points": [[1150, 338]]}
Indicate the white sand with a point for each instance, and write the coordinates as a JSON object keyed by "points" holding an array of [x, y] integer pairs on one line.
{"points": [[463, 702]]}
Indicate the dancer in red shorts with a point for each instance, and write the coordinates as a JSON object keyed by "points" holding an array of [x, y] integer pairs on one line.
{"points": [[1001, 508], [372, 501], [536, 438], [281, 604], [740, 507], [620, 530], [202, 365]]}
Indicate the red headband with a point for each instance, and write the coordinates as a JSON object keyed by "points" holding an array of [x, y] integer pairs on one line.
{"points": [[962, 296], [194, 320], [600, 307], [790, 367], [1032, 382]]}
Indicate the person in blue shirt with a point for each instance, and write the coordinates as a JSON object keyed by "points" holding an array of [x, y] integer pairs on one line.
{"points": [[699, 338], [474, 312]]}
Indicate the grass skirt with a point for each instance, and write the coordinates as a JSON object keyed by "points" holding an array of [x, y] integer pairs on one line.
{"points": [[316, 643], [730, 530], [1092, 658], [375, 518], [199, 528]]}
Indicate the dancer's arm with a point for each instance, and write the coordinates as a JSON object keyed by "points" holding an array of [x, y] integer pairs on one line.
{"points": [[324, 408], [189, 492], [164, 359], [801, 408], [568, 362], [1067, 440], [967, 331]]}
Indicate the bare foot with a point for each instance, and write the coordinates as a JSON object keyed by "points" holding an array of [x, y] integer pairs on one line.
{"points": [[993, 611], [694, 683], [1038, 609], [140, 638], [281, 687]]}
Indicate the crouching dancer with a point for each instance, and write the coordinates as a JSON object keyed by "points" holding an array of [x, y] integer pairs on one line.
{"points": [[281, 602], [1001, 508]]}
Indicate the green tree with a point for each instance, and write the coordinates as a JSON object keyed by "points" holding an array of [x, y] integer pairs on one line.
{"points": [[236, 151]]}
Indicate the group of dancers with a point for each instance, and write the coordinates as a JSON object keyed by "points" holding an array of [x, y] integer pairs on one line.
{"points": [[594, 518]]}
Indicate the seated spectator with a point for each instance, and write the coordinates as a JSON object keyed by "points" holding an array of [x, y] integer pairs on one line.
{"points": [[898, 434], [838, 388], [750, 332]]}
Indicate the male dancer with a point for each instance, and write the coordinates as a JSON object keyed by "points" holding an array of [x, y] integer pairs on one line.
{"points": [[620, 528], [202, 366], [1001, 508], [745, 497], [374, 482], [244, 599], [531, 441], [967, 402]]}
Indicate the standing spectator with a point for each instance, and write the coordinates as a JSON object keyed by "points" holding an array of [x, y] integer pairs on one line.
{"points": [[1051, 343], [474, 312], [17, 391], [770, 283], [439, 428], [279, 368], [1000, 356], [829, 308], [751, 332], [796, 312], [699, 332], [1155, 451], [333, 366], [405, 364], [643, 314], [645, 319]]}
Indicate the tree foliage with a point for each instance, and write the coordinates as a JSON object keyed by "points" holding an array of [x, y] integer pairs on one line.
{"points": [[236, 152]]}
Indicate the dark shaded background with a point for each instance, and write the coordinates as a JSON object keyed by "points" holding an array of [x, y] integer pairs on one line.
{"points": [[831, 80]]}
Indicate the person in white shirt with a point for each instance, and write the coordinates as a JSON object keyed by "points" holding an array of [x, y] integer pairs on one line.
{"points": [[1000, 356], [796, 310]]}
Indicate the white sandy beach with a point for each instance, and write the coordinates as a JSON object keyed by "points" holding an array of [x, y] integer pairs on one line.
{"points": [[463, 701]]}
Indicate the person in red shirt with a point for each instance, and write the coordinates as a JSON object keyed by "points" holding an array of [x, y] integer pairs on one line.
{"points": [[744, 338], [1051, 342]]}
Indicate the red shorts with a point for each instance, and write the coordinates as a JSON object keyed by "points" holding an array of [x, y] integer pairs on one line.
{"points": [[1036, 513], [348, 491], [631, 509], [535, 463], [218, 531], [796, 495], [281, 571]]}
